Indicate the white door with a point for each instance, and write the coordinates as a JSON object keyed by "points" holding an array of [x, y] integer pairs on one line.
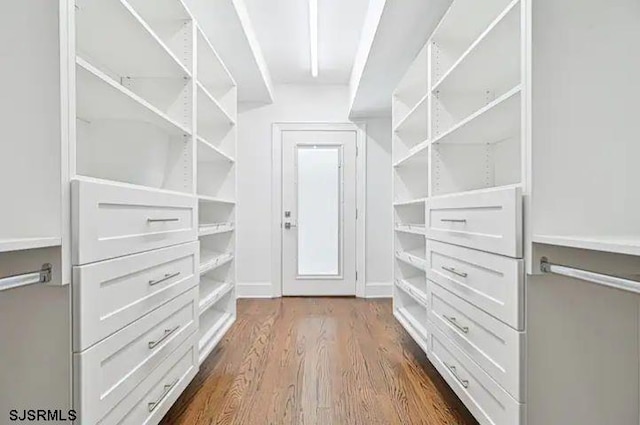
{"points": [[319, 213]]}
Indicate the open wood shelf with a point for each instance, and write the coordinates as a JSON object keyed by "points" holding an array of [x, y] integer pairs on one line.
{"points": [[124, 185], [475, 191], [410, 289], [495, 122], [114, 35], [413, 328], [205, 198], [413, 314], [420, 154], [101, 98], [411, 181], [461, 26], [216, 319], [413, 117], [618, 245], [493, 60], [413, 258], [409, 202], [210, 260], [412, 88], [19, 244], [210, 339], [214, 75], [210, 110], [171, 21], [207, 229], [207, 152], [216, 292], [416, 229]]}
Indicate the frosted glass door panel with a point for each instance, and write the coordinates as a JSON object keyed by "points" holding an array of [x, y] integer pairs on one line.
{"points": [[319, 210]]}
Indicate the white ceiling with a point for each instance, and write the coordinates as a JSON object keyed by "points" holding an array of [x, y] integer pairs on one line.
{"points": [[282, 29]]}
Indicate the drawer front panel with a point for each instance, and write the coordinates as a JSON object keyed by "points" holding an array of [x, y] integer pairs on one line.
{"points": [[487, 401], [491, 282], [112, 221], [110, 370], [494, 346], [488, 220], [109, 295], [150, 401]]}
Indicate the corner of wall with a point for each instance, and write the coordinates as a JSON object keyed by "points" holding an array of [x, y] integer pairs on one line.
{"points": [[254, 290], [378, 290]]}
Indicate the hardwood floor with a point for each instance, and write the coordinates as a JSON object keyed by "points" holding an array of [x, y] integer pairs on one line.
{"points": [[317, 361]]}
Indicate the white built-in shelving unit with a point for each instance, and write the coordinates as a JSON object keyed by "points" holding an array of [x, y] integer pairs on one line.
{"points": [[511, 151], [457, 161], [127, 196]]}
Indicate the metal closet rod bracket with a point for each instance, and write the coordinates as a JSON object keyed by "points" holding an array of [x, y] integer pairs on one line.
{"points": [[29, 278], [616, 282]]}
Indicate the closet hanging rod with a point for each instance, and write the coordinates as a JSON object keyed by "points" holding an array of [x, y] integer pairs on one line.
{"points": [[37, 276], [599, 278]]}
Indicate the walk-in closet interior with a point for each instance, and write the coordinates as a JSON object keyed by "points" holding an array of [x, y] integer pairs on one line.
{"points": [[320, 212]]}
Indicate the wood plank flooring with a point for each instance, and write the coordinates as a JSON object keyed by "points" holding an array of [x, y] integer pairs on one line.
{"points": [[317, 361]]}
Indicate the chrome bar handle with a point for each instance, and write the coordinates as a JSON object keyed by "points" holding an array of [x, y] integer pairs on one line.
{"points": [[454, 372], [599, 278], [29, 278], [164, 279], [454, 271], [167, 389], [167, 332], [453, 220], [455, 323], [161, 220]]}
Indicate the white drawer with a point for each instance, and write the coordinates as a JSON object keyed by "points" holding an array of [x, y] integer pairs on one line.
{"points": [[111, 220], [485, 399], [108, 372], [149, 402], [490, 343], [109, 295], [491, 282], [488, 220]]}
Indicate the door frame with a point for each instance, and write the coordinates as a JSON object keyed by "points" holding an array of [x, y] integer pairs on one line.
{"points": [[276, 197]]}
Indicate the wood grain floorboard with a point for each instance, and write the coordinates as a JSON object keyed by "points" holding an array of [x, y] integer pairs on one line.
{"points": [[317, 361]]}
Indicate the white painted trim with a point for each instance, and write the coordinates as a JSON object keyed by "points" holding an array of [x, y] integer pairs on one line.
{"points": [[379, 290], [276, 197], [254, 290], [254, 45], [361, 200]]}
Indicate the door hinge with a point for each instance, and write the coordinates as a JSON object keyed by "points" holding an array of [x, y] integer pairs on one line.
{"points": [[357, 150], [356, 274], [356, 213]]}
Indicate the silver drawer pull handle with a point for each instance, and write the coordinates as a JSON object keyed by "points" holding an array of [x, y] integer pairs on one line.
{"points": [[453, 220], [167, 332], [454, 372], [455, 323], [165, 392], [454, 271], [164, 279], [161, 220]]}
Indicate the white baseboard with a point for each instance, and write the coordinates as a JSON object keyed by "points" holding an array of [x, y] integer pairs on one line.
{"points": [[378, 290], [254, 290], [265, 290]]}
